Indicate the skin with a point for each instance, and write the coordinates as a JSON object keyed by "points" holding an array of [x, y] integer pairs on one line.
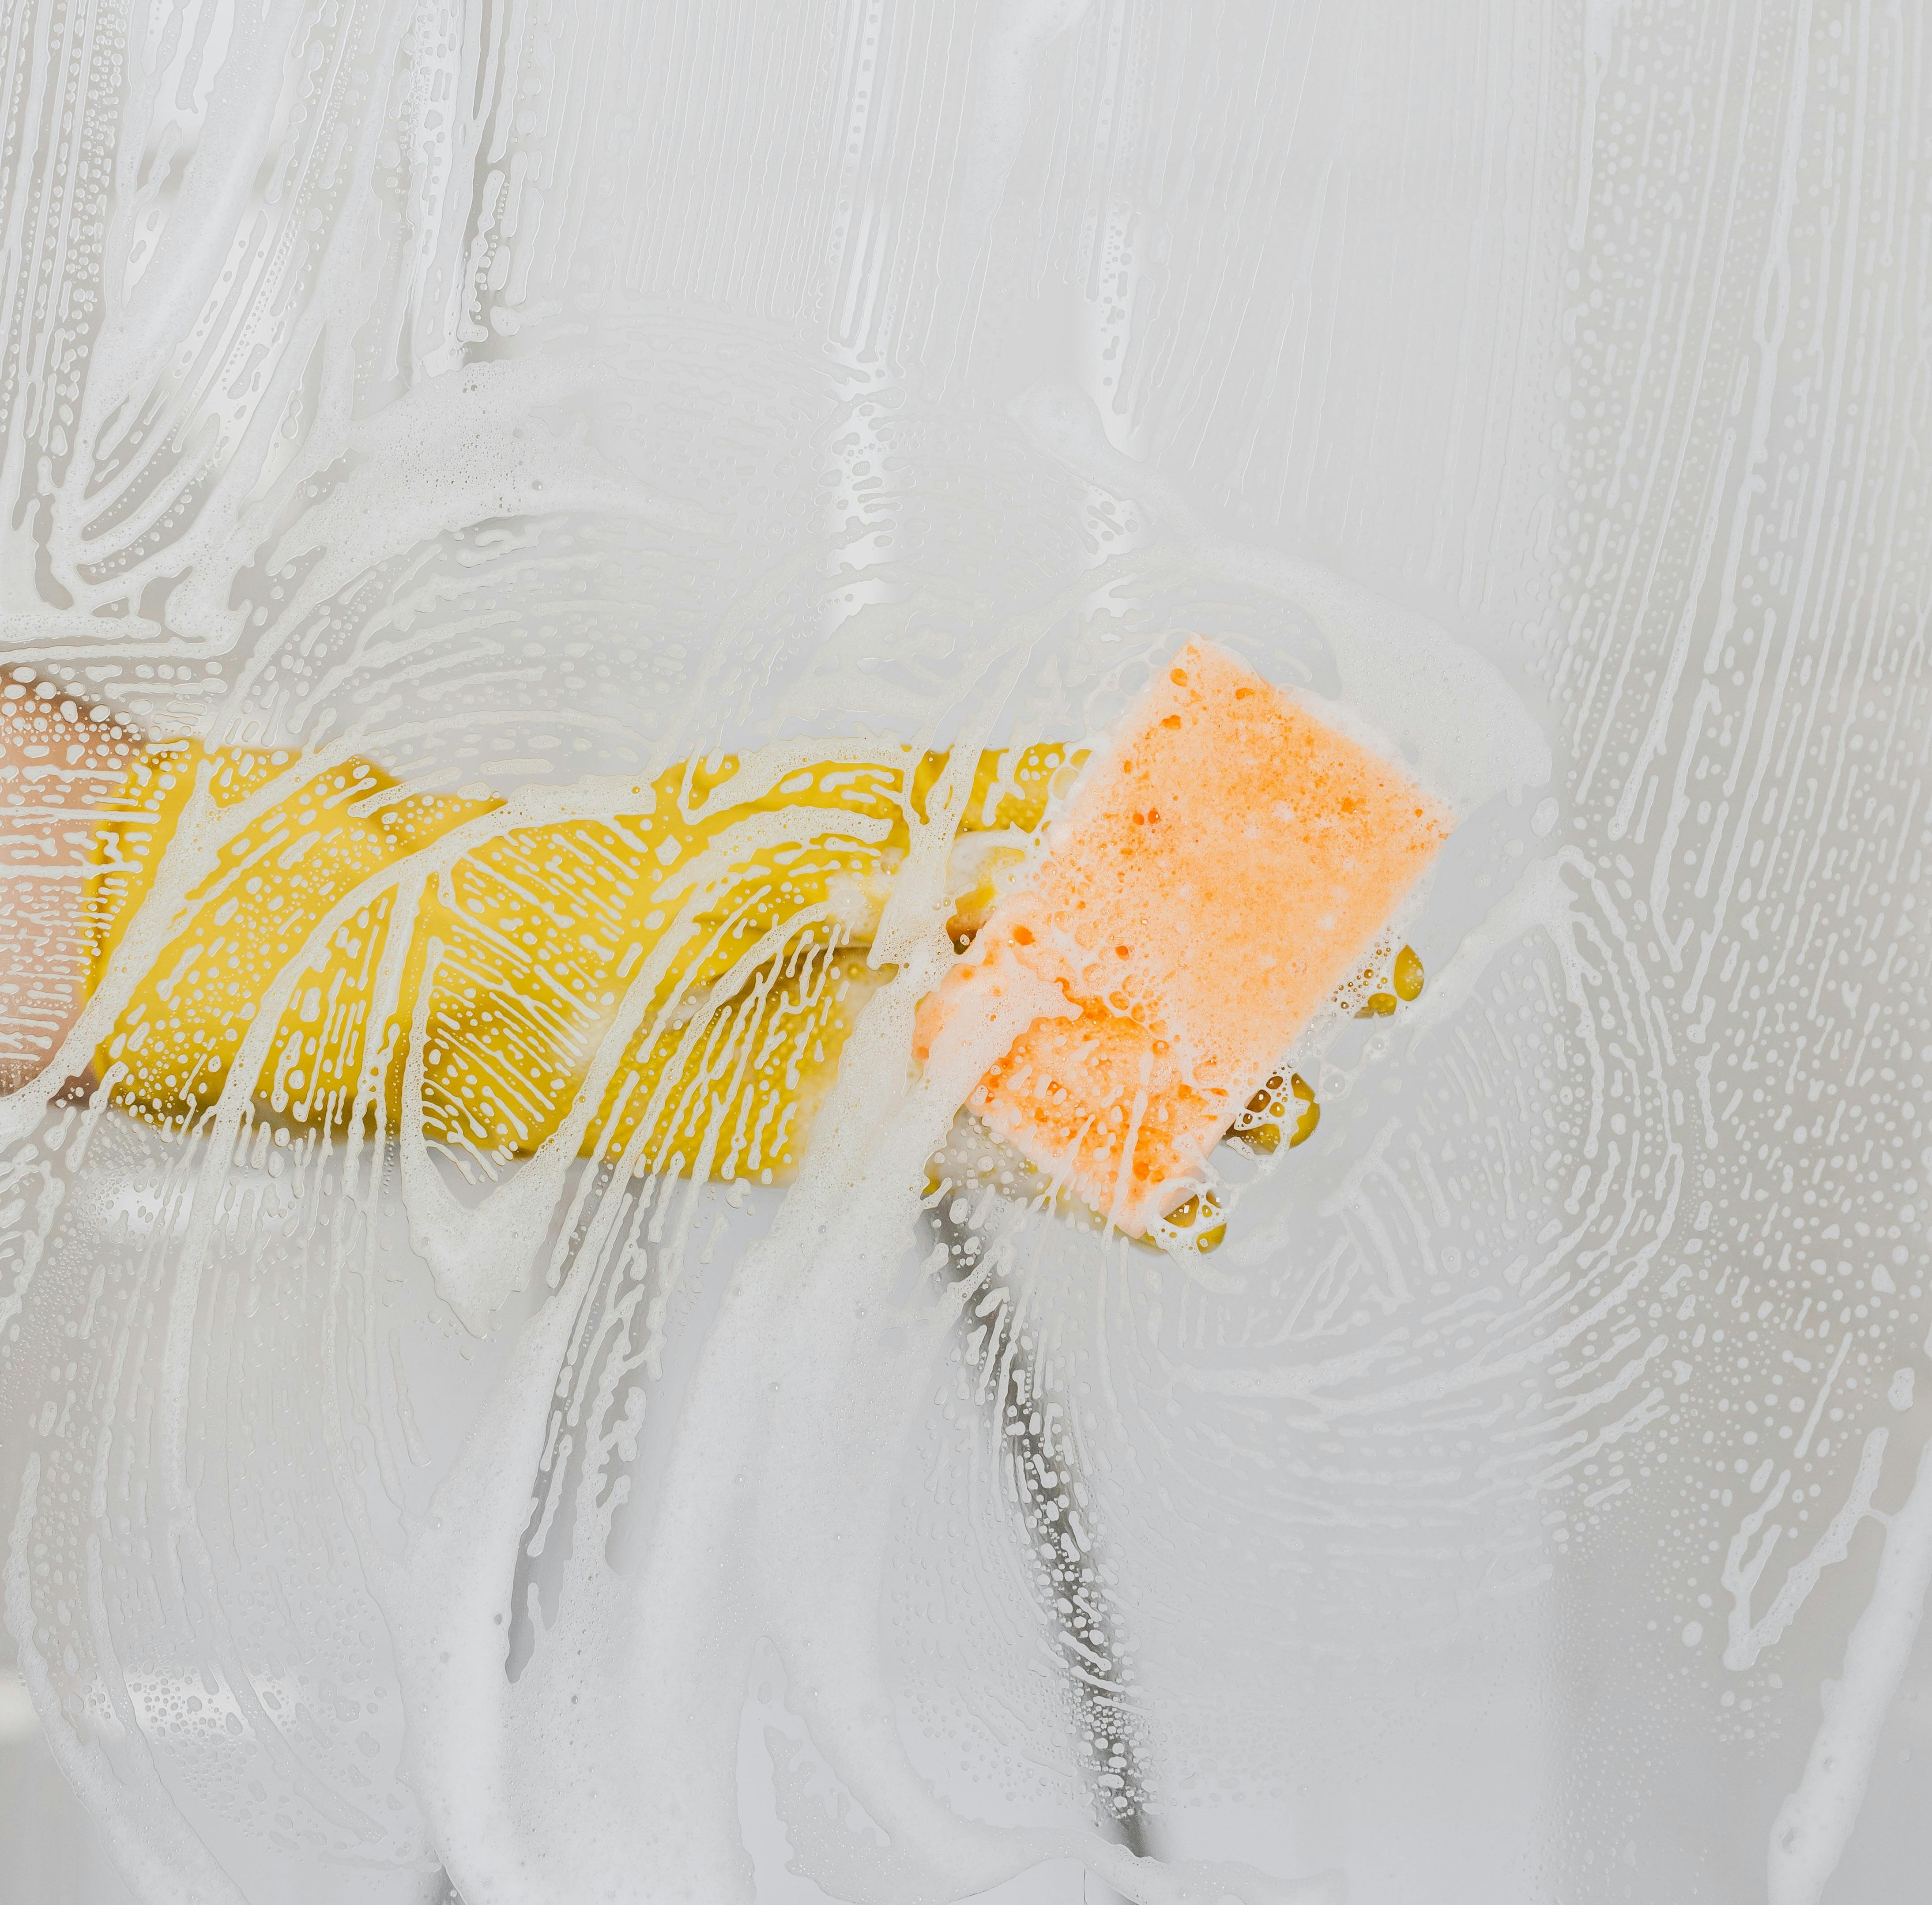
{"points": [[61, 758]]}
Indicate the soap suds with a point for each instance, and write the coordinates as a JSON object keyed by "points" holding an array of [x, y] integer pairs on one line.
{"points": [[530, 409]]}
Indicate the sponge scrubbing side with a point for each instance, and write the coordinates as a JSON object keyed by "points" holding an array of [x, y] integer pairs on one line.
{"points": [[1225, 864]]}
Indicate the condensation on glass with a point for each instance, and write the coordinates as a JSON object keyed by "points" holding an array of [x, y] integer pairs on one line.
{"points": [[493, 464]]}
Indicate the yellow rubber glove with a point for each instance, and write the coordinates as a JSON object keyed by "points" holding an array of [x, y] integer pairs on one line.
{"points": [[525, 947]]}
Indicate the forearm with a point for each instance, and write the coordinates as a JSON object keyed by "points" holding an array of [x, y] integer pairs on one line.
{"points": [[62, 760]]}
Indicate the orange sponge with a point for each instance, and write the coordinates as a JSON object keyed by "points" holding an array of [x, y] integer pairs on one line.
{"points": [[1226, 863]]}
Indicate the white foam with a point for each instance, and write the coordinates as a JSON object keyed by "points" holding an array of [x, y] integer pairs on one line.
{"points": [[1814, 1823]]}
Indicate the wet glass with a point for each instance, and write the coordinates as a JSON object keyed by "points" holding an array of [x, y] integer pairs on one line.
{"points": [[559, 563]]}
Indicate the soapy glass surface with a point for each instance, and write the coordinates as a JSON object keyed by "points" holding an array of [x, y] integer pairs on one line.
{"points": [[527, 404]]}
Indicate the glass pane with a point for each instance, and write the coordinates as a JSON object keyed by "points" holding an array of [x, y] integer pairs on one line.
{"points": [[580, 1316]]}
